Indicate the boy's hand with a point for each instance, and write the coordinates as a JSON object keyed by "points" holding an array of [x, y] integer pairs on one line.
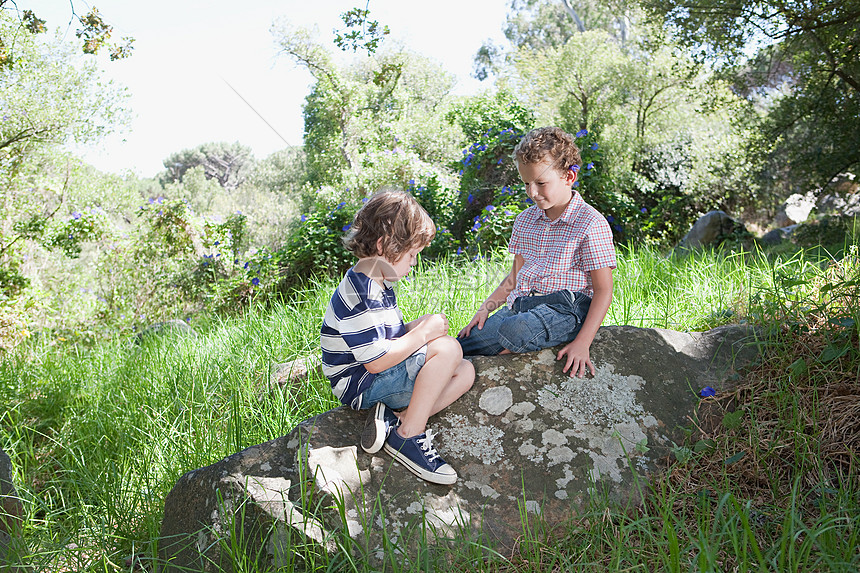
{"points": [[478, 320], [433, 326], [577, 358]]}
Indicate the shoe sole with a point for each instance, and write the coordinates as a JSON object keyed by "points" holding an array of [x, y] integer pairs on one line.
{"points": [[441, 479], [373, 435]]}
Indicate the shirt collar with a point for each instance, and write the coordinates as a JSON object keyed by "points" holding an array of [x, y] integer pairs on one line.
{"points": [[569, 214]]}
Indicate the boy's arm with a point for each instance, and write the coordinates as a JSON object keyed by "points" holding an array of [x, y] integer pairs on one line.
{"points": [[577, 351], [496, 299], [419, 332]]}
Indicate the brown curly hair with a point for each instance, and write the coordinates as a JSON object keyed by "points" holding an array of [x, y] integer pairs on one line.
{"points": [[551, 142], [394, 216]]}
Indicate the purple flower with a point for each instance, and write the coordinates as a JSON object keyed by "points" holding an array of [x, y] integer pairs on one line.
{"points": [[217, 243], [576, 183], [707, 391], [411, 182], [246, 265], [610, 218], [499, 162], [470, 198], [364, 199], [594, 146], [582, 133], [76, 215], [617, 228], [255, 281], [340, 205], [489, 208], [590, 166], [644, 210], [304, 218], [459, 250], [346, 227], [508, 213], [574, 168], [476, 226]]}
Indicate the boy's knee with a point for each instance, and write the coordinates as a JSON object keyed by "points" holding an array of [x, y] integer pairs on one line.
{"points": [[466, 371], [514, 336], [445, 346]]}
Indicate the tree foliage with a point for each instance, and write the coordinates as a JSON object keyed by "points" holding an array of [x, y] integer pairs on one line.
{"points": [[545, 24], [47, 98], [229, 164], [360, 32], [94, 31], [375, 121], [806, 69]]}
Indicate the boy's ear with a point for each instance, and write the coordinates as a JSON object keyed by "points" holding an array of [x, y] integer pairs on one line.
{"points": [[379, 246], [570, 177]]}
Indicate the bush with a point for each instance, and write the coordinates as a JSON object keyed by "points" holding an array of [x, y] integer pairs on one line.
{"points": [[830, 233], [315, 246]]}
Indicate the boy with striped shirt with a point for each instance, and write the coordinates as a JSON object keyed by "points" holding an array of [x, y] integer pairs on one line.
{"points": [[375, 361]]}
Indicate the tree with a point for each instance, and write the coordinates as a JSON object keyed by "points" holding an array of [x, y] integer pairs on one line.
{"points": [[94, 31], [547, 24], [360, 33], [378, 120], [47, 97], [809, 50], [577, 85], [228, 164]]}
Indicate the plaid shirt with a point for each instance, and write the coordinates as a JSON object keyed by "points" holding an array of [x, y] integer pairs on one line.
{"points": [[560, 254]]}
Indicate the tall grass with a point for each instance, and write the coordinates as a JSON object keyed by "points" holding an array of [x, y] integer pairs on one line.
{"points": [[99, 435]]}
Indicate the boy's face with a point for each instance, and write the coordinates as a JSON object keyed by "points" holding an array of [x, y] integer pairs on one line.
{"points": [[546, 186], [396, 270]]}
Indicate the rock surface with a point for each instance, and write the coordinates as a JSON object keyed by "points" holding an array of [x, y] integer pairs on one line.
{"points": [[11, 513], [709, 229], [526, 440], [778, 235], [795, 209]]}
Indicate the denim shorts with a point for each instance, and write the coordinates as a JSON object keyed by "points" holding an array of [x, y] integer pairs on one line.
{"points": [[393, 387], [532, 323]]}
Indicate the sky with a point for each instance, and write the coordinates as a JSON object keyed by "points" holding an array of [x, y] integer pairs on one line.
{"points": [[191, 57]]}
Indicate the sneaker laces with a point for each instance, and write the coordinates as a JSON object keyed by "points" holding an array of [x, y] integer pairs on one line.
{"points": [[426, 446]]}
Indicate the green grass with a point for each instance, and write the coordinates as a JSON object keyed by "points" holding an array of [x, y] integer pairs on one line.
{"points": [[99, 435]]}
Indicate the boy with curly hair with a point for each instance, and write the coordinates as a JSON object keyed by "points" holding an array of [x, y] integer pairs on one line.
{"points": [[560, 287], [372, 359]]}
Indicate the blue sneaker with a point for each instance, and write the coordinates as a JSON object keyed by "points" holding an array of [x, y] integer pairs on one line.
{"points": [[377, 427], [419, 456]]}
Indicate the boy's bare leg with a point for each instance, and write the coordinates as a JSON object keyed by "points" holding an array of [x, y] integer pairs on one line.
{"points": [[444, 377]]}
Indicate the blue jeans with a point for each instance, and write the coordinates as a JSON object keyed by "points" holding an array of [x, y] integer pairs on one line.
{"points": [[532, 323], [393, 387]]}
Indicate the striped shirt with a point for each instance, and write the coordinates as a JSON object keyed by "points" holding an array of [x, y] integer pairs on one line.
{"points": [[361, 320], [560, 254]]}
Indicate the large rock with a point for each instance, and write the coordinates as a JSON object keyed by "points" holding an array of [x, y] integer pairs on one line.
{"points": [[11, 515], [795, 209], [778, 235], [525, 440], [710, 229], [839, 204]]}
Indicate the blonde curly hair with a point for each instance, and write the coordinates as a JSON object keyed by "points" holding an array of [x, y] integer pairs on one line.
{"points": [[549, 142]]}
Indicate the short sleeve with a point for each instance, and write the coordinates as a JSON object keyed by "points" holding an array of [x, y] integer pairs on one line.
{"points": [[598, 250]]}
